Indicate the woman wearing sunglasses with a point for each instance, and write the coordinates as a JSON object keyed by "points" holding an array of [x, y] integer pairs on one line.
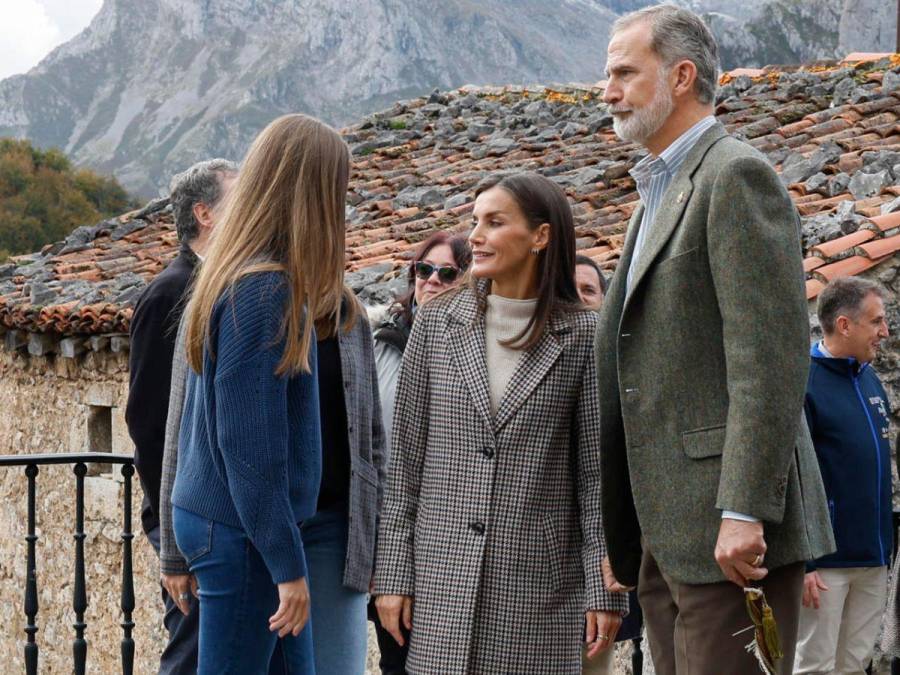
{"points": [[490, 542], [438, 264]]}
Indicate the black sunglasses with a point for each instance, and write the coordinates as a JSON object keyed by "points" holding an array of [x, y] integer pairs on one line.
{"points": [[447, 274]]}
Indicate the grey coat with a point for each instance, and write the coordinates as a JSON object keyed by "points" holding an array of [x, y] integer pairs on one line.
{"points": [[367, 455], [492, 522], [702, 371]]}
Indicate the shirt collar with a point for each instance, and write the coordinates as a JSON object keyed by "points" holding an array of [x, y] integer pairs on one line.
{"points": [[672, 157]]}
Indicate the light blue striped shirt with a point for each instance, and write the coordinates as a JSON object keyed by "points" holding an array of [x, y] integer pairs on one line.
{"points": [[653, 176]]}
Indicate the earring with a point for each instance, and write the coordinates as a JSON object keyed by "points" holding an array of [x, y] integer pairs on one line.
{"points": [[535, 251]]}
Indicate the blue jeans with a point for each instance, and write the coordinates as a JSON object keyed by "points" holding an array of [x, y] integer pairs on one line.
{"points": [[237, 597], [338, 613]]}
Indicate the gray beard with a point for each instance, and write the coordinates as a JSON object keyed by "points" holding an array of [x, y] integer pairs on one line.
{"points": [[646, 121]]}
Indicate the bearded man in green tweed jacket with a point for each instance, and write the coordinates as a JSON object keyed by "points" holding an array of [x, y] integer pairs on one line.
{"points": [[710, 481]]}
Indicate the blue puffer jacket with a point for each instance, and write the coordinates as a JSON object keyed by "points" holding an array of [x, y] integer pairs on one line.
{"points": [[848, 414]]}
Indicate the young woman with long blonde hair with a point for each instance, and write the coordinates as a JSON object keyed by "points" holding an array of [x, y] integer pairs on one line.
{"points": [[249, 458]]}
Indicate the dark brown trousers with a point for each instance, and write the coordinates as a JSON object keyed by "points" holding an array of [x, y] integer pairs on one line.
{"points": [[691, 627]]}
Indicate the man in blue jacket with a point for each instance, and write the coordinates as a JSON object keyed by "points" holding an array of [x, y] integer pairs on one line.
{"points": [[849, 418]]}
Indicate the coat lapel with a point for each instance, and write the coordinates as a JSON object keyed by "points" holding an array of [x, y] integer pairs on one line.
{"points": [[674, 201], [533, 366], [465, 338]]}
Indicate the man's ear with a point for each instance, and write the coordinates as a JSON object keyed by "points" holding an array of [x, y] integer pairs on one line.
{"points": [[203, 215], [685, 74], [842, 325]]}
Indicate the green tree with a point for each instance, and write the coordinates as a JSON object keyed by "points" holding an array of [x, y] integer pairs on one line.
{"points": [[43, 198]]}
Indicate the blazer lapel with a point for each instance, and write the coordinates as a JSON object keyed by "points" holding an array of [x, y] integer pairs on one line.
{"points": [[674, 201], [466, 342], [531, 370]]}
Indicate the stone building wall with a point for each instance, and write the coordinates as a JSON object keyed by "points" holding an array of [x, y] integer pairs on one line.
{"points": [[52, 405]]}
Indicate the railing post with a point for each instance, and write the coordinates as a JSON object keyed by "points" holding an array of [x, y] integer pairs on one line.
{"points": [[79, 595], [31, 596], [127, 577]]}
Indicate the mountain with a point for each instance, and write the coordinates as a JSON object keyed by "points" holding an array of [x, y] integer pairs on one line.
{"points": [[152, 86]]}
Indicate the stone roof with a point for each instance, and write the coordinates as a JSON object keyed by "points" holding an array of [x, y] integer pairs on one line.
{"points": [[832, 129]]}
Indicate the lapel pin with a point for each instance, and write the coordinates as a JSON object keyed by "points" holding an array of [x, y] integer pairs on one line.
{"points": [[680, 197]]}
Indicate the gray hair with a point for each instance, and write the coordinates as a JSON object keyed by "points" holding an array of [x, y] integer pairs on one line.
{"points": [[680, 35], [200, 184], [844, 296]]}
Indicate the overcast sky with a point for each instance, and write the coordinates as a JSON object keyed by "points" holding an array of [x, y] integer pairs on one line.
{"points": [[29, 29]]}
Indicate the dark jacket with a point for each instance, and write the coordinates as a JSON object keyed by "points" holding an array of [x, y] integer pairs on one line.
{"points": [[849, 418], [153, 329]]}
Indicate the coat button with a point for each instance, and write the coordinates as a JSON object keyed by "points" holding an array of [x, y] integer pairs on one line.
{"points": [[477, 528], [488, 452]]}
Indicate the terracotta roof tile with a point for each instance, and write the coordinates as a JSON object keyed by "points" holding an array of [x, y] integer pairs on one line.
{"points": [[888, 221], [811, 263], [835, 247], [880, 248], [861, 57], [847, 267]]}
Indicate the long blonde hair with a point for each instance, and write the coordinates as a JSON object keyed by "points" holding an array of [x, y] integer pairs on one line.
{"points": [[285, 213]]}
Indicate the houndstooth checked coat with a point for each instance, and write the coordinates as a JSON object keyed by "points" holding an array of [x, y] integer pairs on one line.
{"points": [[493, 523]]}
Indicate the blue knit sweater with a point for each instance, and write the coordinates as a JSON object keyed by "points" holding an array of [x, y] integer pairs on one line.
{"points": [[249, 451]]}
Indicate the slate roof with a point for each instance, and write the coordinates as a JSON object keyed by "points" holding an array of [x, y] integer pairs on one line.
{"points": [[832, 129]]}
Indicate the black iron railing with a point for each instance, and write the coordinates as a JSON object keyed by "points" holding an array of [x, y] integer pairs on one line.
{"points": [[79, 594]]}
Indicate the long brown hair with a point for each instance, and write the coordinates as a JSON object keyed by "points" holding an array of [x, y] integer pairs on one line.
{"points": [[285, 213], [543, 201]]}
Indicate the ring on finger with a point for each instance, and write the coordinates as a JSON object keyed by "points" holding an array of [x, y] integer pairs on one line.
{"points": [[757, 561], [184, 596], [603, 637]]}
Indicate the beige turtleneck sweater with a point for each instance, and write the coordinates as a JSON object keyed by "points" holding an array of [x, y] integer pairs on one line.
{"points": [[504, 319]]}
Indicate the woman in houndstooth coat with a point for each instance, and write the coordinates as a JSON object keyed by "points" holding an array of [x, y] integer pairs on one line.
{"points": [[491, 539]]}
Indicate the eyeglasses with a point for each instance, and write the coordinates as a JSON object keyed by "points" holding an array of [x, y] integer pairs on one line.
{"points": [[447, 274]]}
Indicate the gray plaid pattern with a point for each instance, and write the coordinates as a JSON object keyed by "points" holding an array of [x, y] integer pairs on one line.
{"points": [[367, 455], [170, 559], [493, 524]]}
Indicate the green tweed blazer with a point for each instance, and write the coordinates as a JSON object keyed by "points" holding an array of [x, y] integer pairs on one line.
{"points": [[702, 370]]}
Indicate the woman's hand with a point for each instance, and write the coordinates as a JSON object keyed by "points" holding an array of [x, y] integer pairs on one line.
{"points": [[180, 587], [293, 608], [600, 631], [392, 609]]}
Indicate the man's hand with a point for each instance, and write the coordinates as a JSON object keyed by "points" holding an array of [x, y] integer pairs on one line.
{"points": [[609, 579], [812, 584], [600, 631], [180, 587], [392, 609], [740, 550], [293, 608]]}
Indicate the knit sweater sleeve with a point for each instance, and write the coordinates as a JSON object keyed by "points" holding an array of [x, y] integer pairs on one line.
{"points": [[252, 420]]}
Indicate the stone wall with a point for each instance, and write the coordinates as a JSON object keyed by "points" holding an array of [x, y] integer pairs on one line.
{"points": [[64, 405]]}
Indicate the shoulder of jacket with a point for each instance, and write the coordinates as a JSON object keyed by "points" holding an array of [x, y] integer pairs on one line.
{"points": [[733, 152], [584, 320]]}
